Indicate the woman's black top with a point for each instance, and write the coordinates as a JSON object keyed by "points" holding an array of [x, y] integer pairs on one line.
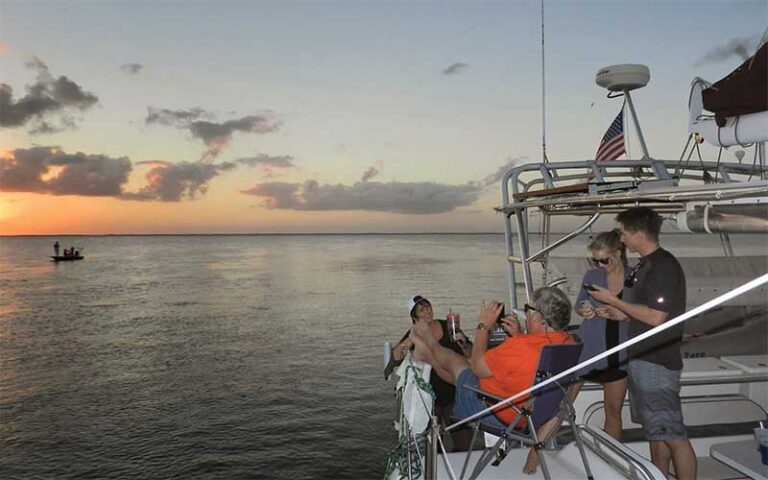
{"points": [[613, 372]]}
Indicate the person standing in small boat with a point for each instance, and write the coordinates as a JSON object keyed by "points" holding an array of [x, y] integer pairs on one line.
{"points": [[655, 292], [609, 258], [56, 248]]}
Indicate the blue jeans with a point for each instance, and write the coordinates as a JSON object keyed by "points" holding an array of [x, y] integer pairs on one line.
{"points": [[468, 403]]}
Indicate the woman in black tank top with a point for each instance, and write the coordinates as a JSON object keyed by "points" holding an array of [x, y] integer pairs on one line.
{"points": [[598, 334]]}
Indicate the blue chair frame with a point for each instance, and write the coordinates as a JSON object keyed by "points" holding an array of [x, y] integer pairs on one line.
{"points": [[549, 404]]}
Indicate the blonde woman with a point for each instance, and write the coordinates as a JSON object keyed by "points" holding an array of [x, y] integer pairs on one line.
{"points": [[598, 333]]}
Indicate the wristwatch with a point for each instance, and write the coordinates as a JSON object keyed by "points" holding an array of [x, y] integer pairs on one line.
{"points": [[481, 326]]}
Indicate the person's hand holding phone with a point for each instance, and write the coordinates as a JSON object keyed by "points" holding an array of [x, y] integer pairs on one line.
{"points": [[586, 310], [610, 312], [510, 324], [602, 295]]}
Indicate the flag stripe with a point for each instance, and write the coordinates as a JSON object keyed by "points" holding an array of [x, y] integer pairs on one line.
{"points": [[607, 148], [612, 144]]}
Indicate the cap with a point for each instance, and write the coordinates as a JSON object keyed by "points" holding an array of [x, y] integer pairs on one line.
{"points": [[413, 301]]}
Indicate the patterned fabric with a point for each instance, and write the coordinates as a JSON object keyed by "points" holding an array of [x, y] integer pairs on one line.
{"points": [[654, 400]]}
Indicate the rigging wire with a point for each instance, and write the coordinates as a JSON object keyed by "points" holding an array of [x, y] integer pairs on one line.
{"points": [[754, 162], [680, 162], [717, 165]]}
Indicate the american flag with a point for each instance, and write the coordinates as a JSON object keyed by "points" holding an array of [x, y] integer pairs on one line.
{"points": [[612, 145]]}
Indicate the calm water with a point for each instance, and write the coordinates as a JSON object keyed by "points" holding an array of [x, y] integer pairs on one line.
{"points": [[217, 357]]}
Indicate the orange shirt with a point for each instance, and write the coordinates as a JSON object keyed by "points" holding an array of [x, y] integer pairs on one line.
{"points": [[513, 364]]}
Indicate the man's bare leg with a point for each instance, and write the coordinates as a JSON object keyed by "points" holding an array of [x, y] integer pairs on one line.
{"points": [[683, 458], [661, 455], [447, 363]]}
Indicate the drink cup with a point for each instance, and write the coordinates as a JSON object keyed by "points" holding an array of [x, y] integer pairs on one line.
{"points": [[454, 325]]}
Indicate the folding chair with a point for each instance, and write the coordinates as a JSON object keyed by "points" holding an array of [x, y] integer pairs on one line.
{"points": [[548, 404]]}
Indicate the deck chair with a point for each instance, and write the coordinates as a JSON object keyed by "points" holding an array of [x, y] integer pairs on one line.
{"points": [[543, 412]]}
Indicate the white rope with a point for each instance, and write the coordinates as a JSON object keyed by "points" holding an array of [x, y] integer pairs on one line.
{"points": [[451, 473], [658, 329]]}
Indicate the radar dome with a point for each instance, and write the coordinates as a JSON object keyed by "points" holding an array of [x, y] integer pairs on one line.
{"points": [[628, 76]]}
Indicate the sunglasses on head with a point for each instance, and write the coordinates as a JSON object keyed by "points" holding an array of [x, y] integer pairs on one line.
{"points": [[527, 308], [632, 277], [600, 261]]}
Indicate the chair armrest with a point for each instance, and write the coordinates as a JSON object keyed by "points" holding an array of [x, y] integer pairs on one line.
{"points": [[490, 397]]}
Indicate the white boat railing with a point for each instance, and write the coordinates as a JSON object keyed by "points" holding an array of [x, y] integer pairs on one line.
{"points": [[591, 188]]}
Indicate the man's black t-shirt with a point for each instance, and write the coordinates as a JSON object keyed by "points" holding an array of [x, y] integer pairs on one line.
{"points": [[659, 283]]}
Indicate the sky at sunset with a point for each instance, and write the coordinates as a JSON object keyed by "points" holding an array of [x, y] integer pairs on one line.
{"points": [[325, 116]]}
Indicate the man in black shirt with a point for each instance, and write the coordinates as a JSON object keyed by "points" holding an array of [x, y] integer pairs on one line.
{"points": [[654, 293]]}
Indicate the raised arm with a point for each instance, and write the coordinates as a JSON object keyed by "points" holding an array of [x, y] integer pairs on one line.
{"points": [[487, 318]]}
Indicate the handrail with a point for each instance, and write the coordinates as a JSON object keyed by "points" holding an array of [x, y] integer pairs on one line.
{"points": [[763, 279], [565, 239], [597, 440]]}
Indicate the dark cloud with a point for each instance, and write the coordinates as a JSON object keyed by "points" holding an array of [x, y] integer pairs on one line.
{"points": [[175, 118], [173, 182], [735, 47], [267, 165], [131, 68], [454, 68], [395, 197], [369, 173], [495, 178], [215, 136], [372, 171], [46, 99], [49, 170], [261, 159]]}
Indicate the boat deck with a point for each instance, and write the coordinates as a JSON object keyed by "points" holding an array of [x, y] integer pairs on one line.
{"points": [[733, 389]]}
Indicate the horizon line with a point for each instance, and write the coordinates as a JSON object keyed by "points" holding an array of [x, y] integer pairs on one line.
{"points": [[235, 234], [268, 234]]}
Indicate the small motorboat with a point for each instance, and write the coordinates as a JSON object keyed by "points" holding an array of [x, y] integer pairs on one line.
{"points": [[66, 258]]}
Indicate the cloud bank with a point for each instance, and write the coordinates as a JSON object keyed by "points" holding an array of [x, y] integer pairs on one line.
{"points": [[48, 103], [51, 171], [395, 197], [173, 182], [48, 170]]}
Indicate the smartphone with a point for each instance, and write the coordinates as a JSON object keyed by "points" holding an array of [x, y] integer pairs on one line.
{"points": [[501, 315], [590, 287]]}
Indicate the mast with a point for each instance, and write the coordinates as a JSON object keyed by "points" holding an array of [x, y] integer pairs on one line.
{"points": [[543, 94]]}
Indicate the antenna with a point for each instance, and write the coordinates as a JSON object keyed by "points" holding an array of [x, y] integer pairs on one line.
{"points": [[543, 94]]}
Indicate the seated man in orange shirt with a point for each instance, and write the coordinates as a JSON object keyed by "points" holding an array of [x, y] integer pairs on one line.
{"points": [[506, 369]]}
